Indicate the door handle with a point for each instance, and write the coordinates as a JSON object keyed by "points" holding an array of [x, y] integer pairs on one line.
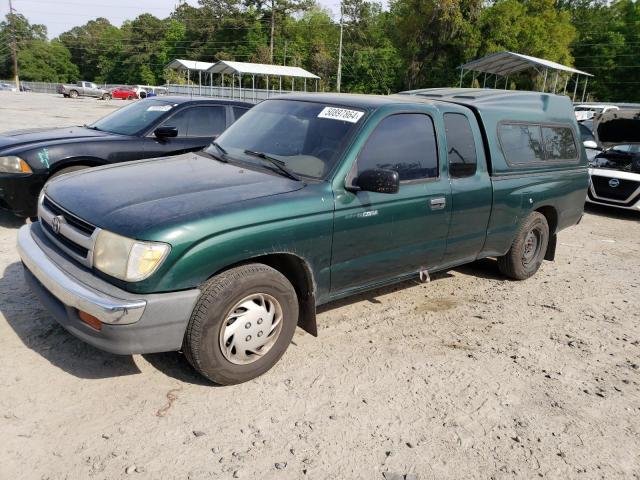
{"points": [[438, 203]]}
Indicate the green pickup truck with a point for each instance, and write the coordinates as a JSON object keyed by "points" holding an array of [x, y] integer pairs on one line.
{"points": [[307, 198]]}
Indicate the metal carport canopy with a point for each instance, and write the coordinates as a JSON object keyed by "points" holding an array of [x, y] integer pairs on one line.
{"points": [[506, 63], [245, 68], [179, 64]]}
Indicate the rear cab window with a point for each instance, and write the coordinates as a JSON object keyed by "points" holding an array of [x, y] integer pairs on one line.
{"points": [[524, 144]]}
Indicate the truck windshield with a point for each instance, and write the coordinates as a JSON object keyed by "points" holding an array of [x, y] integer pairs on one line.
{"points": [[307, 137], [133, 118]]}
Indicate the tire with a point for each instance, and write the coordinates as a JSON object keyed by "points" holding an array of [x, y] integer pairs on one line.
{"points": [[528, 249], [73, 168], [211, 325], [73, 93], [142, 95], [130, 97], [106, 96]]}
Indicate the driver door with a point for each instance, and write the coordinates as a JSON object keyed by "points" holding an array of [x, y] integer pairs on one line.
{"points": [[380, 236], [197, 127]]}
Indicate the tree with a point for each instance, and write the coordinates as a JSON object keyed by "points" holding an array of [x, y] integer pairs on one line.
{"points": [[44, 61], [433, 37]]}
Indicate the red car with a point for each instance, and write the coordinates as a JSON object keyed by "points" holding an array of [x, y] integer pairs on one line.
{"points": [[125, 93]]}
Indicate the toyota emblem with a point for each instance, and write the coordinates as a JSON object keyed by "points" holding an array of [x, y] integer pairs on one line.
{"points": [[614, 182], [55, 223]]}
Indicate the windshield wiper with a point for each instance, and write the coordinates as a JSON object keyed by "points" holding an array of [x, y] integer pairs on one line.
{"points": [[279, 164], [219, 147], [91, 127]]}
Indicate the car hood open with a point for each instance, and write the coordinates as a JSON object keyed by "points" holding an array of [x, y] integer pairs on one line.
{"points": [[23, 138], [134, 198], [619, 127]]}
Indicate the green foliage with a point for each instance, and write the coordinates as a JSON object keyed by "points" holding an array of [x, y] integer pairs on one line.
{"points": [[44, 61], [412, 44]]}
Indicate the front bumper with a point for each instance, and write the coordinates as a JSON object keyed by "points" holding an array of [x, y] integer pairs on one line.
{"points": [[19, 193], [131, 323]]}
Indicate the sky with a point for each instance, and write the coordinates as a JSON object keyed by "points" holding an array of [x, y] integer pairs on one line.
{"points": [[60, 16]]}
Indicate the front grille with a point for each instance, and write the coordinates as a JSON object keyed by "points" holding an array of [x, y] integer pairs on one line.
{"points": [[71, 219], [622, 192], [77, 249], [71, 234]]}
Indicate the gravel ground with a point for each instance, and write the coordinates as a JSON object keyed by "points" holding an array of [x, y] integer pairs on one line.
{"points": [[469, 376]]}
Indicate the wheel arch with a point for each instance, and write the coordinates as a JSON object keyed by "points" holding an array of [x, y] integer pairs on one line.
{"points": [[299, 273], [74, 161]]}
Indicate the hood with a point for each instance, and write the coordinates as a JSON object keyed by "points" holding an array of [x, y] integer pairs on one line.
{"points": [[134, 198], [618, 127], [23, 138]]}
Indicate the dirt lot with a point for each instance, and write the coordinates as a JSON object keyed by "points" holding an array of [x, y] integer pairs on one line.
{"points": [[470, 376]]}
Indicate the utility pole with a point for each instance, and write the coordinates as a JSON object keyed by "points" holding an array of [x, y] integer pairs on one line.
{"points": [[273, 27], [284, 59], [339, 79], [14, 47]]}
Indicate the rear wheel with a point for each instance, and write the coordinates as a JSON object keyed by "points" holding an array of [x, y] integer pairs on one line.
{"points": [[73, 94], [242, 324], [528, 249], [130, 97]]}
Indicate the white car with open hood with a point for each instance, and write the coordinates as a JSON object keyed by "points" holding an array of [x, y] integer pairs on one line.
{"points": [[615, 171]]}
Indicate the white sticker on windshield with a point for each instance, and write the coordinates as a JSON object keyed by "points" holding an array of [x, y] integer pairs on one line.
{"points": [[159, 108], [344, 114]]}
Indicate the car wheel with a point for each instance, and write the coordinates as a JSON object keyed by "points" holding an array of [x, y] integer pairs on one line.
{"points": [[73, 94], [106, 96], [528, 249], [242, 324], [62, 171]]}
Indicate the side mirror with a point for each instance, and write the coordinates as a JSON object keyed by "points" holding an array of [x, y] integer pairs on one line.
{"points": [[166, 132], [379, 181], [590, 144]]}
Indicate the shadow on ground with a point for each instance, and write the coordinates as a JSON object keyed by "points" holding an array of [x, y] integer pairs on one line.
{"points": [[39, 332], [611, 212], [9, 220]]}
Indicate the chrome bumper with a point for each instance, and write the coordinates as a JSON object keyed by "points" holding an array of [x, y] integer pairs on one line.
{"points": [[70, 291]]}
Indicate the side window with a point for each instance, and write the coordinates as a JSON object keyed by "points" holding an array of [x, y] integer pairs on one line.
{"points": [[521, 143], [207, 121], [199, 121], [461, 146], [180, 120], [405, 143], [559, 143], [238, 112]]}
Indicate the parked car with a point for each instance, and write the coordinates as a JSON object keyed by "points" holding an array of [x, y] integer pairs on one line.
{"points": [[84, 89], [615, 170], [306, 199], [6, 87], [587, 111], [147, 129], [124, 93], [591, 146]]}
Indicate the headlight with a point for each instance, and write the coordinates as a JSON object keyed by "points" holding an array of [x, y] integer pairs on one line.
{"points": [[13, 164], [127, 259]]}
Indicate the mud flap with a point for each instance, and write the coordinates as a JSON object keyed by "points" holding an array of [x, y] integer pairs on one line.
{"points": [[307, 316], [551, 248]]}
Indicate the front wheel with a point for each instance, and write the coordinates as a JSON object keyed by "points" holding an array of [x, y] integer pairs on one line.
{"points": [[528, 249], [106, 96], [242, 324]]}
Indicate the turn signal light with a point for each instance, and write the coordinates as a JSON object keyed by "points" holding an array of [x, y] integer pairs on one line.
{"points": [[90, 320]]}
